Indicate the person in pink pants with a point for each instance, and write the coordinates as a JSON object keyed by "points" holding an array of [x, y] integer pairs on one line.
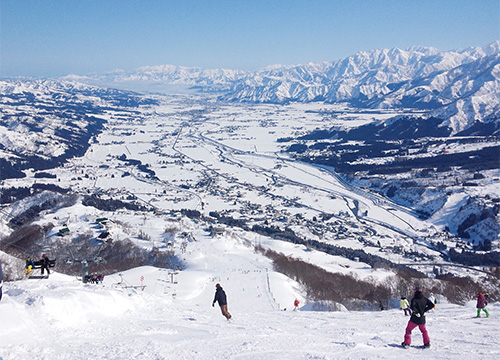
{"points": [[419, 305]]}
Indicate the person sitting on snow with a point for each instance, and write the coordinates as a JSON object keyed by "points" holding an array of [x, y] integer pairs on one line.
{"points": [[28, 268]]}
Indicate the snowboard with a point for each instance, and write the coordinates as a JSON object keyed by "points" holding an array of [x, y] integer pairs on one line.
{"points": [[414, 346], [408, 346]]}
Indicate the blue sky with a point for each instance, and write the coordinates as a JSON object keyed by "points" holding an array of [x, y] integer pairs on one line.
{"points": [[59, 37]]}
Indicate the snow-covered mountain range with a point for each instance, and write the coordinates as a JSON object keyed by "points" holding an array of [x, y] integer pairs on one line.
{"points": [[459, 86]]}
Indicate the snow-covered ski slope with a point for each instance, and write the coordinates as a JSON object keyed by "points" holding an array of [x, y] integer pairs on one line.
{"points": [[171, 317]]}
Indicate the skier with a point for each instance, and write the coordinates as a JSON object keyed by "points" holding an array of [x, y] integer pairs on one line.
{"points": [[419, 305], [481, 305], [220, 296], [405, 305], [296, 304], [45, 264]]}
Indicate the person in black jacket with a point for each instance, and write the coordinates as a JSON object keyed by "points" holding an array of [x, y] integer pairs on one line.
{"points": [[220, 296], [45, 264], [419, 305]]}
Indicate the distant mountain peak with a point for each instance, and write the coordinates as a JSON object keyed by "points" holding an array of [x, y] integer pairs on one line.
{"points": [[417, 77]]}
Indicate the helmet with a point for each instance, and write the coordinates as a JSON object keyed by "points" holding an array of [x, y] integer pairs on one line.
{"points": [[217, 286], [480, 294]]}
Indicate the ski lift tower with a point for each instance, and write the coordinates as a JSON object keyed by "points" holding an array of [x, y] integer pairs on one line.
{"points": [[173, 273], [85, 264]]}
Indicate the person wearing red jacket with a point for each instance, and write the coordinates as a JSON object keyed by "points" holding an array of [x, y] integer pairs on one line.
{"points": [[481, 305], [419, 305]]}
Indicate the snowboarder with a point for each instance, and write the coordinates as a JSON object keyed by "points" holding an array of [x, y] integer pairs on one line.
{"points": [[432, 298], [419, 305], [28, 268], [481, 305], [220, 296], [296, 304], [405, 305], [45, 264]]}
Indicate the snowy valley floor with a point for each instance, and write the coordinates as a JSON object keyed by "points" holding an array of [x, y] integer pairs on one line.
{"points": [[61, 318]]}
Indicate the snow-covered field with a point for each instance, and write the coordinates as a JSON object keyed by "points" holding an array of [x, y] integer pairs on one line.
{"points": [[171, 317], [211, 157]]}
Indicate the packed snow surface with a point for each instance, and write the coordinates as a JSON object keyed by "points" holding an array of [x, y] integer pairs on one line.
{"points": [[151, 313]]}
